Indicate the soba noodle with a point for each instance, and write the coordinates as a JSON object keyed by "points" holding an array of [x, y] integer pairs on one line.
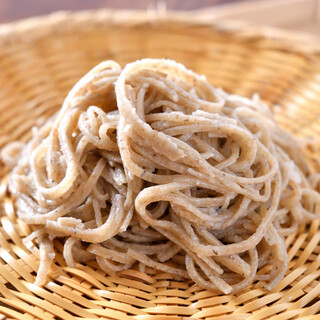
{"points": [[151, 165]]}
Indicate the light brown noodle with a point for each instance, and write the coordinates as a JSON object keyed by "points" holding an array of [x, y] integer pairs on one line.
{"points": [[152, 164]]}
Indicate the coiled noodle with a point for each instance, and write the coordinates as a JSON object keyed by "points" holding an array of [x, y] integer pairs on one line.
{"points": [[152, 166]]}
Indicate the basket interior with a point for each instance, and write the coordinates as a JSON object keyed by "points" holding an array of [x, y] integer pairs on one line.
{"points": [[38, 68]]}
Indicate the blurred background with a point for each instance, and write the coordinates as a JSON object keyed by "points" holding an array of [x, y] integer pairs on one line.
{"points": [[298, 15], [16, 9]]}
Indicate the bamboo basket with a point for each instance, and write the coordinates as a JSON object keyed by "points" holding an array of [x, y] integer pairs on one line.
{"points": [[40, 60]]}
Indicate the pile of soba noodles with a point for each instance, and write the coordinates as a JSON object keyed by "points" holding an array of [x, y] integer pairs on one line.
{"points": [[151, 166]]}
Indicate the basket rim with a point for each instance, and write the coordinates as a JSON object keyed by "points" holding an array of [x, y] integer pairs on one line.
{"points": [[63, 22]]}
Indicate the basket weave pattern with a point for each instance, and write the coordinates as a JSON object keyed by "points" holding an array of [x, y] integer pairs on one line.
{"points": [[40, 60]]}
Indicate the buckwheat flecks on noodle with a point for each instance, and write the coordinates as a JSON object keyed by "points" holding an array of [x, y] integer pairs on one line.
{"points": [[152, 166]]}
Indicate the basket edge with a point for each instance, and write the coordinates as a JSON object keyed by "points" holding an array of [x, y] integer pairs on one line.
{"points": [[29, 30]]}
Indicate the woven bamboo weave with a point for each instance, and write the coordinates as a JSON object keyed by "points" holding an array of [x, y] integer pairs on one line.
{"points": [[41, 59]]}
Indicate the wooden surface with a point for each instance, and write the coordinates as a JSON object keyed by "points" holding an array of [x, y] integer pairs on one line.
{"points": [[11, 10], [298, 15]]}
